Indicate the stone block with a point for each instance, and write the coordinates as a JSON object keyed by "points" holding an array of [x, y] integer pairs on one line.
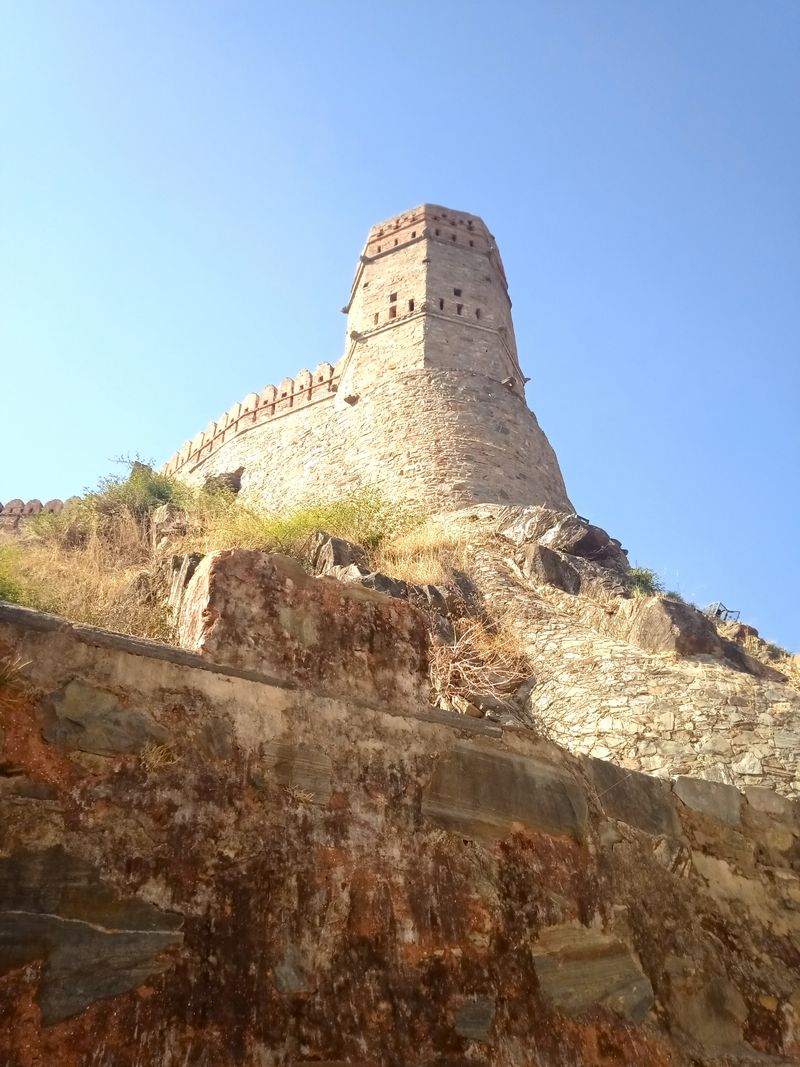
{"points": [[262, 612], [473, 1019], [485, 794], [768, 802], [581, 969], [634, 798], [300, 766], [715, 799], [93, 942], [84, 717]]}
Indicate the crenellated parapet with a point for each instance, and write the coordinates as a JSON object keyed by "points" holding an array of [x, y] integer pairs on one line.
{"points": [[273, 402], [17, 511]]}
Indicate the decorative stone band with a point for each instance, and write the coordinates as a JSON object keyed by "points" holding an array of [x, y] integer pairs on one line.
{"points": [[271, 403]]}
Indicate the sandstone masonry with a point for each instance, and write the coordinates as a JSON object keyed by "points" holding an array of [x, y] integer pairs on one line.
{"points": [[428, 402]]}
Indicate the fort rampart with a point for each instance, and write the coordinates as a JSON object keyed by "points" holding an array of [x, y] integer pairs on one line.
{"points": [[428, 402]]}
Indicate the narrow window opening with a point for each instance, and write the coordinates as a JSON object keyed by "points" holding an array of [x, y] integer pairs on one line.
{"points": [[413, 234], [393, 311], [395, 240], [452, 237], [436, 232], [477, 313], [393, 298], [375, 319], [379, 248], [456, 292], [472, 244], [411, 305], [441, 305], [459, 308]]}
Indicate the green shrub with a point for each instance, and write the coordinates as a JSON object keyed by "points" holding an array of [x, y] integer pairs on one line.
{"points": [[11, 588], [219, 520], [644, 582]]}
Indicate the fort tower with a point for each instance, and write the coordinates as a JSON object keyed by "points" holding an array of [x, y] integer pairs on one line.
{"points": [[428, 402]]}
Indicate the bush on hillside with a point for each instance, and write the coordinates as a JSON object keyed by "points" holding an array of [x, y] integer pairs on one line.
{"points": [[644, 582], [11, 589]]}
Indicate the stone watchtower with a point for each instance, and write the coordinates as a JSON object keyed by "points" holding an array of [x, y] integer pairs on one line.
{"points": [[428, 402], [431, 353]]}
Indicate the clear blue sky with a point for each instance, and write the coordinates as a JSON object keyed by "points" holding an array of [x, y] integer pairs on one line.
{"points": [[185, 187]]}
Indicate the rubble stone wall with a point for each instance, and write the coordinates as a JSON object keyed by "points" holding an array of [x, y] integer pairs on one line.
{"points": [[200, 865]]}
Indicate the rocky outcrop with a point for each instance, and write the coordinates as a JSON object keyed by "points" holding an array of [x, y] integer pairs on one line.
{"points": [[261, 611], [291, 878]]}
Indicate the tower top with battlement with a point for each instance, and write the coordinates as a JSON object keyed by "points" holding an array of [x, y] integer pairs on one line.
{"points": [[427, 404]]}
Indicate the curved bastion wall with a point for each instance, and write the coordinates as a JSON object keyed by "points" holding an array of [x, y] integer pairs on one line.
{"points": [[428, 402]]}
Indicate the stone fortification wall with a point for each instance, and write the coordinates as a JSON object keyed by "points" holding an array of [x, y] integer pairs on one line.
{"points": [[645, 682], [16, 511], [203, 865], [428, 402]]}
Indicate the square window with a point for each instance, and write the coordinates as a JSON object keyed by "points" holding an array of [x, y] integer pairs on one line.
{"points": [[393, 298], [456, 292]]}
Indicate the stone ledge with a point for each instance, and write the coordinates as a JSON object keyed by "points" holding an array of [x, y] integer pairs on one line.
{"points": [[41, 622]]}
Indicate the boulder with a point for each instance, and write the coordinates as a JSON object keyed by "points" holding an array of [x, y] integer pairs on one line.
{"points": [[561, 531], [262, 612]]}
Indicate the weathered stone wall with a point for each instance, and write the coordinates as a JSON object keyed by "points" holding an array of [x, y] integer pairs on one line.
{"points": [[428, 402], [200, 866], [16, 511], [666, 713]]}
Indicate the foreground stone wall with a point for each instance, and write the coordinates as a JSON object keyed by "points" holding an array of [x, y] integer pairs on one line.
{"points": [[203, 866]]}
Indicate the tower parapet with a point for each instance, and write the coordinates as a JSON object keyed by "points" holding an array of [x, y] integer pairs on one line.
{"points": [[428, 401]]}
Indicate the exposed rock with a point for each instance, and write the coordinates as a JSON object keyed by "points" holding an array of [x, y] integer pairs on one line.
{"points": [[93, 942], [473, 1019], [722, 802], [634, 798], [335, 558], [561, 531], [485, 794], [768, 802], [713, 1013], [290, 975], [541, 564], [261, 611], [95, 720], [227, 481], [167, 525], [182, 569], [332, 555], [580, 969]]}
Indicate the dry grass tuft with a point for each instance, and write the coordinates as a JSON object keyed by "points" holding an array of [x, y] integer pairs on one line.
{"points": [[11, 666], [100, 579], [426, 554], [480, 660], [154, 756], [296, 795], [220, 520]]}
